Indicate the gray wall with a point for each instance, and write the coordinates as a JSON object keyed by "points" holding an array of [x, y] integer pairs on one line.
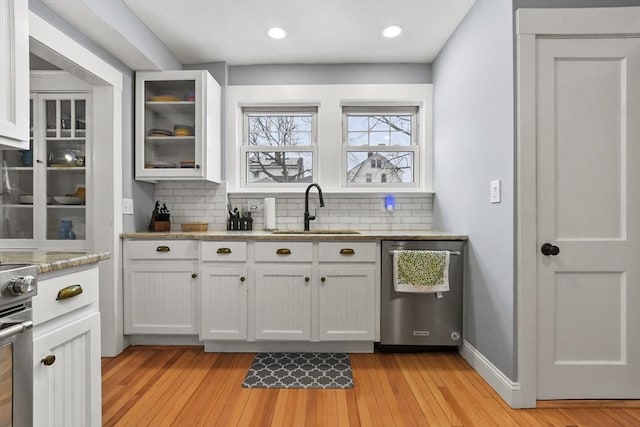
{"points": [[474, 144], [309, 74]]}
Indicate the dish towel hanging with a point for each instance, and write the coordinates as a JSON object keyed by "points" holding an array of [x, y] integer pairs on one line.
{"points": [[421, 271]]}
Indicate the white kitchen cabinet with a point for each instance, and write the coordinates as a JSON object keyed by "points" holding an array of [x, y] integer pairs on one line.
{"points": [[161, 287], [347, 290], [14, 74], [48, 187], [283, 302], [224, 291], [224, 303], [283, 290], [66, 350], [178, 131], [346, 303]]}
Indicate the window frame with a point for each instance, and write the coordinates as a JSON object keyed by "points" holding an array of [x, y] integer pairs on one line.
{"points": [[383, 109], [276, 110], [329, 100]]}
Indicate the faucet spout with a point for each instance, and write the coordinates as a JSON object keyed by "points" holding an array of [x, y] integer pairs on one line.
{"points": [[307, 216]]}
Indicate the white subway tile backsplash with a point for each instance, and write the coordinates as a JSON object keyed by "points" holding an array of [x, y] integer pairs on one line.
{"points": [[199, 201]]}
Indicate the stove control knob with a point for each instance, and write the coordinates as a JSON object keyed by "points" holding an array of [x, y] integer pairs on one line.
{"points": [[21, 285]]}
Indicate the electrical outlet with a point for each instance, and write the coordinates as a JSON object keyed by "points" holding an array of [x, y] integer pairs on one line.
{"points": [[495, 191], [127, 206]]}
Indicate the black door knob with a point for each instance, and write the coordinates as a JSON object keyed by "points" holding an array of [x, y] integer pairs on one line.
{"points": [[549, 249]]}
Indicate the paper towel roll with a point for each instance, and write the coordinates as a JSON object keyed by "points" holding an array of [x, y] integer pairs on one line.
{"points": [[269, 213]]}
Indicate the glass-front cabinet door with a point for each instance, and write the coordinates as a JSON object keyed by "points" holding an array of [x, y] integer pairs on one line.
{"points": [[17, 195], [45, 187], [177, 126]]}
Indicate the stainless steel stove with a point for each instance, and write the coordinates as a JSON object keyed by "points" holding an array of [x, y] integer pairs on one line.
{"points": [[18, 284]]}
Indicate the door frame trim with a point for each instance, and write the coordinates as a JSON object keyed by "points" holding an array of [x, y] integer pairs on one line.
{"points": [[532, 24], [57, 47]]}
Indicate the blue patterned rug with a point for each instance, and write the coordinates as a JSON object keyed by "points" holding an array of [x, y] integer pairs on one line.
{"points": [[299, 370]]}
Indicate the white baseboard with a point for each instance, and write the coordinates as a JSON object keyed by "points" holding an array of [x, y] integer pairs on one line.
{"points": [[508, 390]]}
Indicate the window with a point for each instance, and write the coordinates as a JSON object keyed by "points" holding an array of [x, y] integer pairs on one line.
{"points": [[380, 145], [279, 145]]}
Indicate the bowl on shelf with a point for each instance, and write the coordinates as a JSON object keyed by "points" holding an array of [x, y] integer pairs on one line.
{"points": [[67, 200], [25, 199]]}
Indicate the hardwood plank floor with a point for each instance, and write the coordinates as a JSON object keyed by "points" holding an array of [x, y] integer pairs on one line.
{"points": [[183, 386]]}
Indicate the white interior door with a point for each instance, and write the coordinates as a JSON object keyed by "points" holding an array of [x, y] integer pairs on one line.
{"points": [[588, 201]]}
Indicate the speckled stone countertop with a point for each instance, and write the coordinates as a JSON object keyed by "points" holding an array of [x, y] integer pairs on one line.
{"points": [[295, 235], [48, 261]]}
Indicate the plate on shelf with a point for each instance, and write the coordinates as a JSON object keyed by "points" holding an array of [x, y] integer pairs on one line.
{"points": [[67, 200], [160, 165], [164, 98]]}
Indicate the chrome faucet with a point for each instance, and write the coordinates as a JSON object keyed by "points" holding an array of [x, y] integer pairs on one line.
{"points": [[308, 217]]}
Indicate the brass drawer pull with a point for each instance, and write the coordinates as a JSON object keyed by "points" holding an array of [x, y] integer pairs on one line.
{"points": [[69, 292], [223, 251], [283, 251], [347, 251], [163, 249], [48, 360]]}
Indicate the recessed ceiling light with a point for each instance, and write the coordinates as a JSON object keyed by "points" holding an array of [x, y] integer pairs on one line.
{"points": [[392, 31], [277, 33]]}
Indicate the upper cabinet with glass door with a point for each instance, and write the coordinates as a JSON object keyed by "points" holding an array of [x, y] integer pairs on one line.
{"points": [[44, 202], [66, 154], [177, 126]]}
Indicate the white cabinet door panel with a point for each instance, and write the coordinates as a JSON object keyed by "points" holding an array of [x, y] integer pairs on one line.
{"points": [[161, 298], [14, 74], [283, 303], [67, 393], [224, 303], [347, 303]]}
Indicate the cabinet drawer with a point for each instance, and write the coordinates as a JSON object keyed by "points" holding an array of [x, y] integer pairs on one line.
{"points": [[162, 249], [284, 251], [347, 251], [79, 289], [223, 251]]}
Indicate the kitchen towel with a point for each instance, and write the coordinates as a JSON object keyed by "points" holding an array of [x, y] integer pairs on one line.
{"points": [[421, 271], [269, 213]]}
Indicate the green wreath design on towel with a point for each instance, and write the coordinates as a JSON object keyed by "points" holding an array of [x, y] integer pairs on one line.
{"points": [[418, 268]]}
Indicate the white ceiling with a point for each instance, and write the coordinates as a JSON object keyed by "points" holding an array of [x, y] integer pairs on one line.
{"points": [[319, 31]]}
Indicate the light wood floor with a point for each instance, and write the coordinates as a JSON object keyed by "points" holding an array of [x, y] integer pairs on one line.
{"points": [[183, 386]]}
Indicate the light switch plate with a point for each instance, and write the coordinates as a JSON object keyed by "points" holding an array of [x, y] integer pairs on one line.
{"points": [[495, 191], [127, 206]]}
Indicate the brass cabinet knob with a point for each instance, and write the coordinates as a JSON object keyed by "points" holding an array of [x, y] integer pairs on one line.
{"points": [[242, 278], [306, 279], [194, 275], [49, 360], [323, 279]]}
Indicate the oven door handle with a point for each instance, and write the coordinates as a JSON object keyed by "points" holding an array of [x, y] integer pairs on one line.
{"points": [[15, 329]]}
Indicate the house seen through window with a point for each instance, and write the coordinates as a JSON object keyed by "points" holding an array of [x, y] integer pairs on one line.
{"points": [[380, 145]]}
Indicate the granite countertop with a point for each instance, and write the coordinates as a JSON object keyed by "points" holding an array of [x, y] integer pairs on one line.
{"points": [[48, 261], [296, 235]]}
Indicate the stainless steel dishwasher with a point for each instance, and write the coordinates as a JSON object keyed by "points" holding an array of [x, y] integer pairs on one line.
{"points": [[421, 319]]}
